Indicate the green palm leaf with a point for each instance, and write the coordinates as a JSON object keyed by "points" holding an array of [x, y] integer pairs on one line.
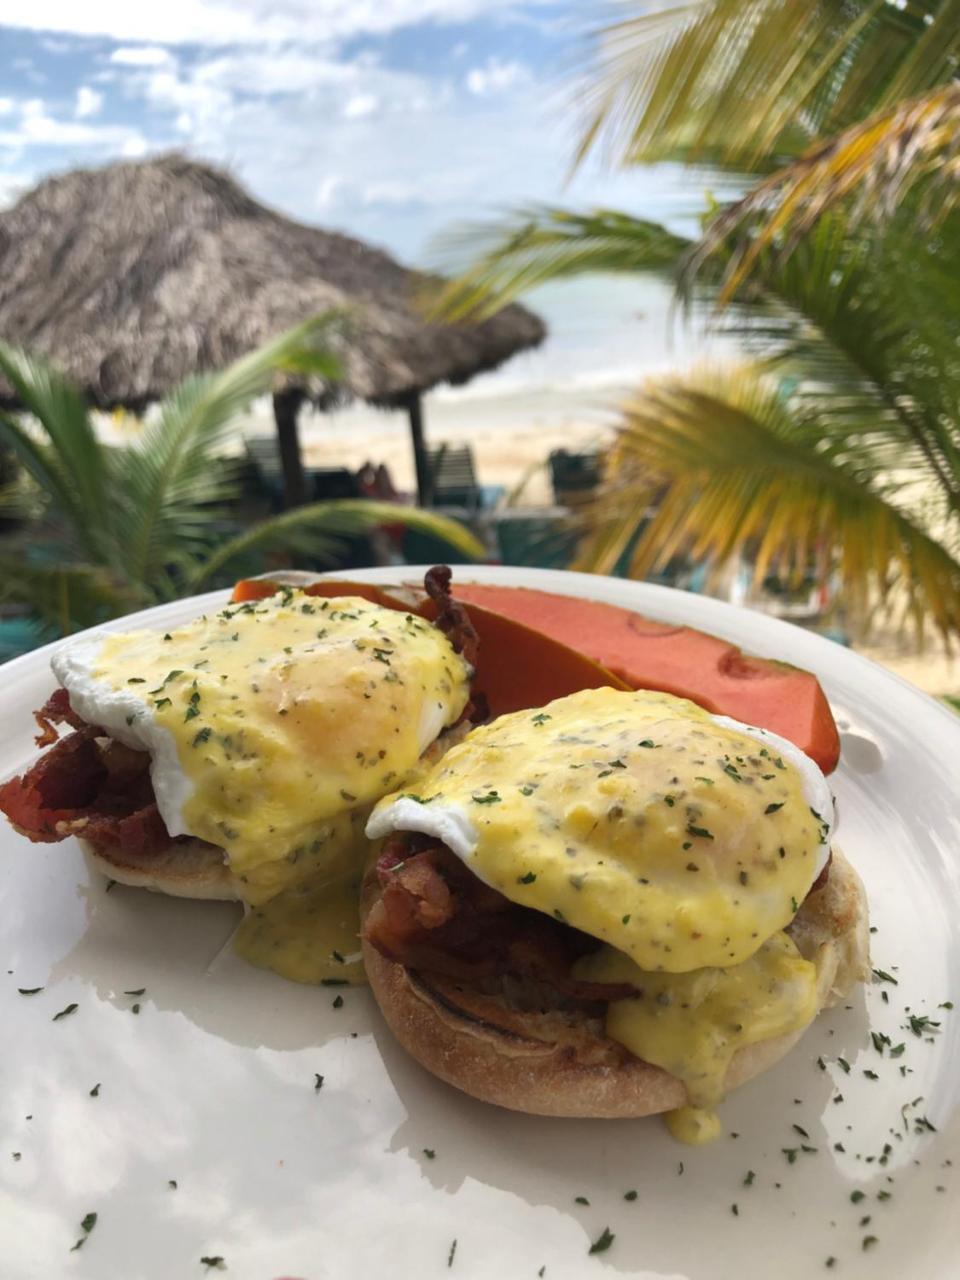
{"points": [[318, 527], [750, 83], [740, 470], [68, 461], [168, 477], [912, 148], [66, 597], [542, 243]]}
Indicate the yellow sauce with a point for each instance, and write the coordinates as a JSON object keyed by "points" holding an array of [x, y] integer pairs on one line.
{"points": [[308, 934], [637, 819], [290, 717], [692, 1024], [693, 1125]]}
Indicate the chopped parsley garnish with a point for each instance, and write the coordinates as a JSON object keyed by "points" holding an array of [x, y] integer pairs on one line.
{"points": [[749, 1179], [540, 718], [735, 1210], [29, 991], [798, 1129], [136, 680], [871, 1075], [774, 808], [317, 1082], [214, 1262], [702, 832], [527, 791], [919, 1024], [699, 778], [625, 919], [429, 1153], [86, 1226], [95, 1091], [648, 743], [172, 1184], [338, 982], [347, 795], [527, 879], [202, 736], [580, 1200], [616, 764], [882, 976], [135, 1008], [732, 771], [64, 1013], [161, 703], [492, 797], [857, 1196], [338, 1002], [869, 1242], [630, 1195], [603, 1241], [140, 991], [452, 1254], [794, 905]]}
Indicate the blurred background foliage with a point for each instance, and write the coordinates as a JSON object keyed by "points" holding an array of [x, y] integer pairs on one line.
{"points": [[93, 531], [833, 449]]}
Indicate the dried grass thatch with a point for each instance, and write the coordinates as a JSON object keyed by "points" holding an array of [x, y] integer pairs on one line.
{"points": [[133, 276]]}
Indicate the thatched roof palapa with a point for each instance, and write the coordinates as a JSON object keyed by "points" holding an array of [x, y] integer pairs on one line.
{"points": [[133, 276]]}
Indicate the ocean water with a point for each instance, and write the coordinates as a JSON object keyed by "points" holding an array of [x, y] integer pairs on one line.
{"points": [[605, 334]]}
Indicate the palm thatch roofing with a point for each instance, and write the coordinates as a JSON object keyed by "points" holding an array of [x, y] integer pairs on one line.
{"points": [[133, 276]]}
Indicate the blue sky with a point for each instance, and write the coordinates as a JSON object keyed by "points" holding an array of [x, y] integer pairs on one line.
{"points": [[391, 119]]}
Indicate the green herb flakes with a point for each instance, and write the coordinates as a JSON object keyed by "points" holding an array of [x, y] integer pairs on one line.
{"points": [[603, 1241]]}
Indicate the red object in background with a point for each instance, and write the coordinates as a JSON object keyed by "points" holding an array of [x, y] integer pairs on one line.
{"points": [[691, 664]]}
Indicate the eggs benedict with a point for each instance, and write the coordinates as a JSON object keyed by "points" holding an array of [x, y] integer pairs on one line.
{"points": [[238, 755], [615, 906]]}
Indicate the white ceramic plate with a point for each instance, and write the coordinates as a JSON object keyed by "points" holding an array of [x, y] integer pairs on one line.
{"points": [[211, 1085]]}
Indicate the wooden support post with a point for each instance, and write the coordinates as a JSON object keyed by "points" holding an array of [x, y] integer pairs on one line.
{"points": [[420, 459], [286, 406]]}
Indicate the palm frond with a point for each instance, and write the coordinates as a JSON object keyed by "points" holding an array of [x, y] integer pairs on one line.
{"points": [[856, 317], [750, 83], [66, 597], [323, 524], [741, 471], [67, 461], [540, 243], [169, 474], [872, 168]]}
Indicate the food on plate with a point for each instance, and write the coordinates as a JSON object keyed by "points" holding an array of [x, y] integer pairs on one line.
{"points": [[515, 666], [614, 906], [238, 755], [674, 659]]}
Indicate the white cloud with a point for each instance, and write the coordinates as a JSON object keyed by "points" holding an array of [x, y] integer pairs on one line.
{"points": [[495, 77], [223, 22], [328, 191], [144, 55], [391, 191], [134, 147], [37, 128], [360, 105], [7, 106], [89, 102]]}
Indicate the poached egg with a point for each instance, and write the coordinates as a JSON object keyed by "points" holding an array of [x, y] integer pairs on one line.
{"points": [[684, 843]]}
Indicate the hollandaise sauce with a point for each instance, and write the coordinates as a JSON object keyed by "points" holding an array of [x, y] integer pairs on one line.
{"points": [[310, 933], [692, 1024], [273, 726], [636, 818]]}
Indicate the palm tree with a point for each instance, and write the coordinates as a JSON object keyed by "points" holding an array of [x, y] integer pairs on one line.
{"points": [[116, 529], [837, 441]]}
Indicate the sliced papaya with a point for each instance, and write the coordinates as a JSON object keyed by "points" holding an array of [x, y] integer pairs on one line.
{"points": [[518, 667], [691, 664]]}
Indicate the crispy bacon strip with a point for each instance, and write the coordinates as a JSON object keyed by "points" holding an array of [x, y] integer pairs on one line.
{"points": [[56, 710], [434, 915], [452, 618], [85, 785]]}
